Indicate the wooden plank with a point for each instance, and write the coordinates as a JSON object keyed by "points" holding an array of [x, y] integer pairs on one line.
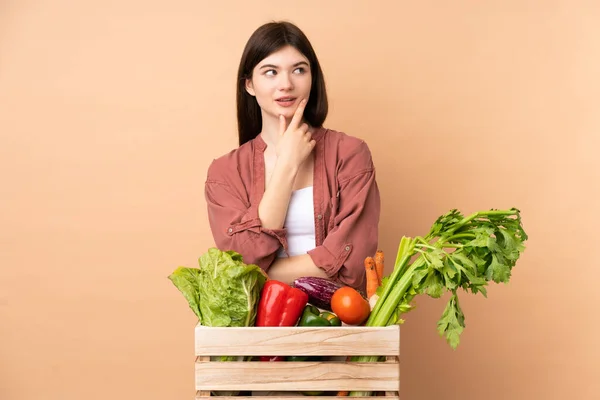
{"points": [[297, 376], [301, 341], [294, 397], [203, 393], [396, 392]]}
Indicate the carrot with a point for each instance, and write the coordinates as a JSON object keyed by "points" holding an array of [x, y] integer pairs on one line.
{"points": [[372, 279], [379, 259]]}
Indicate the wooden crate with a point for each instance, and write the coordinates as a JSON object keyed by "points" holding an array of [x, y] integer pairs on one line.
{"points": [[297, 376]]}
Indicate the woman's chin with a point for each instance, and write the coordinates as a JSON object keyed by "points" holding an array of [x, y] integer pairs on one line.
{"points": [[287, 114]]}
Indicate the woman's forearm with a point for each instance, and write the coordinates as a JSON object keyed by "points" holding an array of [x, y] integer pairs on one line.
{"points": [[288, 269], [274, 204]]}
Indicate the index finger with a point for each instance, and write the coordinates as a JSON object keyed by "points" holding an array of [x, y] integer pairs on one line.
{"points": [[298, 114]]}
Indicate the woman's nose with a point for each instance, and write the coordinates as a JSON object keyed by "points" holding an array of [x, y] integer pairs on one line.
{"points": [[285, 82]]}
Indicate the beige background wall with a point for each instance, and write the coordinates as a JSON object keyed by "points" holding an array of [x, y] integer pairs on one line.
{"points": [[110, 112]]}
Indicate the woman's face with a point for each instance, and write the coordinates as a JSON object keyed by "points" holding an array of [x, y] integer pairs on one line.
{"points": [[280, 82]]}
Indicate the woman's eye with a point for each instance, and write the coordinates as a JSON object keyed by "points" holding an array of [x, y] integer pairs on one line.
{"points": [[270, 72], [299, 70]]}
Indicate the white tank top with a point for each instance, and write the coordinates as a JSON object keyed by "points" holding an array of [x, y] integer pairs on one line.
{"points": [[300, 223]]}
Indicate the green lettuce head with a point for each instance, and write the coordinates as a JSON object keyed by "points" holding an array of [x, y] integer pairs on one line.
{"points": [[223, 291]]}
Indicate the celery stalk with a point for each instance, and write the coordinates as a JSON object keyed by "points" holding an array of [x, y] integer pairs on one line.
{"points": [[406, 253], [468, 253]]}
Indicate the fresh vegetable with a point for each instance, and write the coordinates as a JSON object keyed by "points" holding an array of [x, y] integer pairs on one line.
{"points": [[222, 292], [379, 265], [374, 272], [350, 306], [312, 316], [319, 290], [371, 275], [458, 253], [333, 319], [280, 305]]}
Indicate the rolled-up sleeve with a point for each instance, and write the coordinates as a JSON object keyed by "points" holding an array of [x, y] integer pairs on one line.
{"points": [[354, 235], [235, 224]]}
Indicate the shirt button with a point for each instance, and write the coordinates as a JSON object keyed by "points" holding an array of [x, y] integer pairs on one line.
{"points": [[319, 216], [347, 248], [230, 230]]}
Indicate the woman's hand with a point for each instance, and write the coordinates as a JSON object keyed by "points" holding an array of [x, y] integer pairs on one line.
{"points": [[292, 149], [296, 141]]}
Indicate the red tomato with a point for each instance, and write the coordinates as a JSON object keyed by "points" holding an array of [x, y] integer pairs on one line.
{"points": [[350, 306]]}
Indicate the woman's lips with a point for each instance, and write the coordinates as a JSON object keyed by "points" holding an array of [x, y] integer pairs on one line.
{"points": [[286, 101]]}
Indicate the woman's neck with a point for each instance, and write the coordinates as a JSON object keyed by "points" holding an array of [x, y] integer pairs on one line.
{"points": [[270, 130]]}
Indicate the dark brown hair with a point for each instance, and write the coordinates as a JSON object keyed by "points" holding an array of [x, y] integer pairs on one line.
{"points": [[266, 40]]}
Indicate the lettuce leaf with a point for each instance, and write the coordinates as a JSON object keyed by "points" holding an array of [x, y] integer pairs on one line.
{"points": [[223, 291], [186, 280], [229, 289]]}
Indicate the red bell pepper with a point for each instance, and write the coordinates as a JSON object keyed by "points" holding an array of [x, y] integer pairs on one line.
{"points": [[279, 305]]}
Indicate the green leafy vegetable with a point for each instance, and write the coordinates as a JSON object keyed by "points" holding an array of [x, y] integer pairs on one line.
{"points": [[223, 291], [186, 280], [458, 252], [452, 322]]}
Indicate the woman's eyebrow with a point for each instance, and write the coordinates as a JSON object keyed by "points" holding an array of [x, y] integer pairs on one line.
{"points": [[275, 66]]}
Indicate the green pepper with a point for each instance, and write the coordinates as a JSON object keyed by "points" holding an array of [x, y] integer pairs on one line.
{"points": [[311, 316], [333, 319]]}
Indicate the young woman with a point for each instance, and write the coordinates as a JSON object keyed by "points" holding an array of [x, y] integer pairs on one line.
{"points": [[295, 198]]}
